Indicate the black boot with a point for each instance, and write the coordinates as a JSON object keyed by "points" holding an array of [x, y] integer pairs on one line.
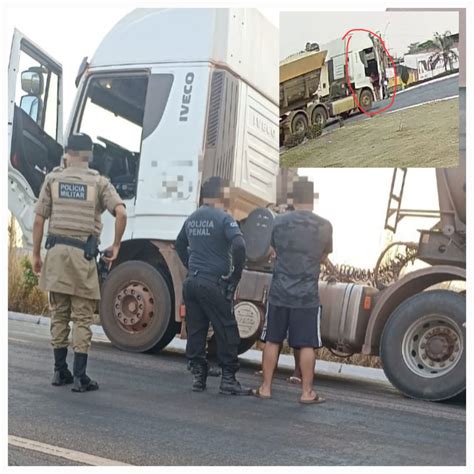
{"points": [[230, 385], [62, 375], [200, 376], [82, 383]]}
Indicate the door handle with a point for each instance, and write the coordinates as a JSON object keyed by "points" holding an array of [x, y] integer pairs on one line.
{"points": [[42, 171]]}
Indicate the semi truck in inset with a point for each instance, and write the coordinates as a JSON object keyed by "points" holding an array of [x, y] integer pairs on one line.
{"points": [[314, 84], [172, 98]]}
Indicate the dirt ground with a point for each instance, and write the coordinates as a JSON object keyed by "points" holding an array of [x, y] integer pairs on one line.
{"points": [[422, 136]]}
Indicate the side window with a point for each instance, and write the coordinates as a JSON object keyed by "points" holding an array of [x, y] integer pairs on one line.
{"points": [[37, 92]]}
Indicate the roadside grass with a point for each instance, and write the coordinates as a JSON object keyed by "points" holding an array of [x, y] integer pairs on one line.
{"points": [[422, 136], [325, 354], [24, 296]]}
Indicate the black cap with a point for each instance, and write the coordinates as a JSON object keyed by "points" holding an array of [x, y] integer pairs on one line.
{"points": [[79, 142]]}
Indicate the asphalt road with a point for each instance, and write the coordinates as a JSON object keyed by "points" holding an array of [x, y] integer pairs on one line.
{"points": [[146, 414], [425, 93]]}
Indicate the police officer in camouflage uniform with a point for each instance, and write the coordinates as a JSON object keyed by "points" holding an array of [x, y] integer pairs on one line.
{"points": [[301, 240], [73, 199], [212, 248]]}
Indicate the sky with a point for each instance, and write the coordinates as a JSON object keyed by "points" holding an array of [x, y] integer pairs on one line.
{"points": [[399, 29], [354, 200]]}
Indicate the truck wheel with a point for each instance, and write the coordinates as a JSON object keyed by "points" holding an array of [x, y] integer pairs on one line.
{"points": [[319, 117], [423, 346], [366, 100], [136, 308], [299, 124]]}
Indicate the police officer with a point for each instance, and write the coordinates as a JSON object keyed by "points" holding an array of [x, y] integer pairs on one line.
{"points": [[301, 240], [73, 199], [212, 248]]}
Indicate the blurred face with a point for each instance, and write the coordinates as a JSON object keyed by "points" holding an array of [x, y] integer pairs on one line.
{"points": [[221, 202], [77, 157], [218, 203]]}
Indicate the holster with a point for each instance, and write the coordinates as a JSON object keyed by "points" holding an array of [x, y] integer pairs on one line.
{"points": [[91, 249]]}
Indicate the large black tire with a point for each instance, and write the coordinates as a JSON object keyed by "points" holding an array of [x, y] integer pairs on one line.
{"points": [[319, 116], [366, 99], [145, 285], [426, 329], [299, 124]]}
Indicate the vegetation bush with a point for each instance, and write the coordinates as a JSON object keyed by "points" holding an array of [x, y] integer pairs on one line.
{"points": [[24, 296]]}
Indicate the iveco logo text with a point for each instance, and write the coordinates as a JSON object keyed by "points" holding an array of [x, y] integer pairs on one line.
{"points": [[186, 100], [263, 125]]}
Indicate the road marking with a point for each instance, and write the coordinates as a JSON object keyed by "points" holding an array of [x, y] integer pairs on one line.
{"points": [[14, 339], [59, 452], [424, 103]]}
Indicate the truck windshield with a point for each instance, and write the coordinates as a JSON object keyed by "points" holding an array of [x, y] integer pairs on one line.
{"points": [[112, 115], [114, 110]]}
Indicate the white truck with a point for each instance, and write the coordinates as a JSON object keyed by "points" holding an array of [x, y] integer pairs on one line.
{"points": [[172, 97], [313, 84]]}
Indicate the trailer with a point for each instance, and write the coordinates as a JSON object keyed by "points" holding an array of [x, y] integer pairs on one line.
{"points": [[314, 84]]}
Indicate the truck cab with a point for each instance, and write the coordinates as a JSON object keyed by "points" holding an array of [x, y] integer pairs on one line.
{"points": [[162, 119], [170, 98]]}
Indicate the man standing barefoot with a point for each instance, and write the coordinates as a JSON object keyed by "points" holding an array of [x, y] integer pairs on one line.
{"points": [[301, 240]]}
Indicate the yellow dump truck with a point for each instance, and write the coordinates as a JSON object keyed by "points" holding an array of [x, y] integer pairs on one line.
{"points": [[314, 84]]}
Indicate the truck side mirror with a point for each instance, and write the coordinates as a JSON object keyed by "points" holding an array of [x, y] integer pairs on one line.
{"points": [[32, 105], [32, 83]]}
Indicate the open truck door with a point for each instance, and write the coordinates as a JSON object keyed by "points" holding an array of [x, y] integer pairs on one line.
{"points": [[34, 126]]}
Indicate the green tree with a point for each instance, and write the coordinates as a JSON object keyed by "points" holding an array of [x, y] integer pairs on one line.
{"points": [[444, 43], [413, 48]]}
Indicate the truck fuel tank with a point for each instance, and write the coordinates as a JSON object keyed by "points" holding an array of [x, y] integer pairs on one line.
{"points": [[346, 309]]}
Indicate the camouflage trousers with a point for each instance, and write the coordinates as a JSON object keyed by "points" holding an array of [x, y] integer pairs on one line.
{"points": [[65, 308]]}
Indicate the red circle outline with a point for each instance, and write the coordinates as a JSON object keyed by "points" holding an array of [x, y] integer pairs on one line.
{"points": [[354, 94]]}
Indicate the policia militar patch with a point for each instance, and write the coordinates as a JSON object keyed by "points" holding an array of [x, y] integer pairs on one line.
{"points": [[73, 191]]}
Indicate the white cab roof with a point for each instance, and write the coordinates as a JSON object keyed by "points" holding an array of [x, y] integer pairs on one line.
{"points": [[242, 40]]}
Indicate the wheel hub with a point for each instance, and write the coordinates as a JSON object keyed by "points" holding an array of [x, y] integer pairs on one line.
{"points": [[299, 126], [432, 346], [440, 344], [134, 307]]}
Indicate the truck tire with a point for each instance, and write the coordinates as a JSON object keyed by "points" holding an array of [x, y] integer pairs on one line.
{"points": [[423, 346], [299, 124], [136, 308], [366, 99], [319, 116]]}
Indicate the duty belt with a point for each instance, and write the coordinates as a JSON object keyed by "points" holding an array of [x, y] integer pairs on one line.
{"points": [[207, 276], [53, 240], [90, 247]]}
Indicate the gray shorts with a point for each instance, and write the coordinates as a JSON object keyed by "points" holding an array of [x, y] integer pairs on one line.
{"points": [[300, 325]]}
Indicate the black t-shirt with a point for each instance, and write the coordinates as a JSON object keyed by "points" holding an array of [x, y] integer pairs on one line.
{"points": [[300, 238], [204, 242]]}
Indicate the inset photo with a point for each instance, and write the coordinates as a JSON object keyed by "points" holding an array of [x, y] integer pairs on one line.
{"points": [[369, 89]]}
